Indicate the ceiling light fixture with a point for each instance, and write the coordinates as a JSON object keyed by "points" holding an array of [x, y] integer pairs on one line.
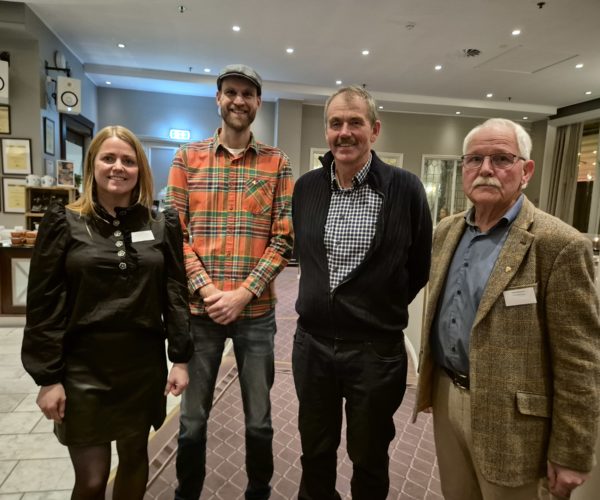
{"points": [[207, 70], [457, 113], [289, 50], [338, 82], [516, 32], [489, 95], [588, 92], [365, 52], [181, 9], [379, 107], [121, 45], [525, 118], [438, 67], [108, 83], [579, 66], [236, 28]]}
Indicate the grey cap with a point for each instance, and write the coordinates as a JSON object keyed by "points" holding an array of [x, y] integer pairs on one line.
{"points": [[240, 71]]}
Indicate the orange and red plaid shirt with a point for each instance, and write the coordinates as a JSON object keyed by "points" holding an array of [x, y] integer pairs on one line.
{"points": [[235, 211]]}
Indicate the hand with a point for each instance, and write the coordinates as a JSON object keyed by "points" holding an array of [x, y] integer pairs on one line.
{"points": [[177, 380], [562, 481], [52, 400], [225, 307]]}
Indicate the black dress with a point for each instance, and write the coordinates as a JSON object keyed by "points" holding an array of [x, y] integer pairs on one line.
{"points": [[102, 297]]}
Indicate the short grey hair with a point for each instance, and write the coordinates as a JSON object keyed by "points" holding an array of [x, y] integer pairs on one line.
{"points": [[355, 91], [523, 138]]}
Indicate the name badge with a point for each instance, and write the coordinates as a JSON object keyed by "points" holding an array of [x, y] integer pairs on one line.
{"points": [[520, 296], [142, 236]]}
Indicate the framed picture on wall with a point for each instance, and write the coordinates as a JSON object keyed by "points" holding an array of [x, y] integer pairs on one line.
{"points": [[4, 119], [393, 159], [65, 173], [48, 136], [13, 195], [16, 156], [315, 153]]}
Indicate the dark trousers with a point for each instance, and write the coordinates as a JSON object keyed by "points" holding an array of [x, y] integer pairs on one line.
{"points": [[253, 341], [371, 377]]}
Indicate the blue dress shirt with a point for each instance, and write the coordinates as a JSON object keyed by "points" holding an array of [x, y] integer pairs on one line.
{"points": [[472, 264]]}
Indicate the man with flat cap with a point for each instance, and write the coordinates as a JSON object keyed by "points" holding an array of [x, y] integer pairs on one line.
{"points": [[233, 195]]}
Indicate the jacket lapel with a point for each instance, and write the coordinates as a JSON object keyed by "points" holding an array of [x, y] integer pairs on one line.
{"points": [[511, 256], [445, 245]]}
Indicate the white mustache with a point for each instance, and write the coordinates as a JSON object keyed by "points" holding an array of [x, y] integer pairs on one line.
{"points": [[486, 181]]}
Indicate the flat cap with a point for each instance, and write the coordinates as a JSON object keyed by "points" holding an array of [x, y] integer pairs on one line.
{"points": [[240, 71]]}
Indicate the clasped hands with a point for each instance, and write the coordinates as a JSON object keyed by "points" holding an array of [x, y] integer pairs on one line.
{"points": [[225, 307]]}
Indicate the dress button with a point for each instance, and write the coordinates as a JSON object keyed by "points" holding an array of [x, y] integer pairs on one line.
{"points": [[122, 266], [116, 222], [121, 253], [117, 233], [119, 244]]}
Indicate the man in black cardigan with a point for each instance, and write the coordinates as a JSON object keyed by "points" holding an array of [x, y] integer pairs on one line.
{"points": [[363, 240]]}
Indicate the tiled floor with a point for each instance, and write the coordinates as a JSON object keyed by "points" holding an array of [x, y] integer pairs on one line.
{"points": [[34, 466]]}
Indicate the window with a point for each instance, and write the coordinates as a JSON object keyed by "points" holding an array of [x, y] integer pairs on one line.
{"points": [[442, 178]]}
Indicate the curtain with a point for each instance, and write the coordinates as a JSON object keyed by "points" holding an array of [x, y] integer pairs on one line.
{"points": [[564, 169]]}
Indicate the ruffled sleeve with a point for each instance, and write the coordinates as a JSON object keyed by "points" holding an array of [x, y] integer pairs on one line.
{"points": [[42, 349], [176, 313]]}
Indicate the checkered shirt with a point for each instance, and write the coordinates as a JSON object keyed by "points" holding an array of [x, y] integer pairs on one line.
{"points": [[350, 225]]}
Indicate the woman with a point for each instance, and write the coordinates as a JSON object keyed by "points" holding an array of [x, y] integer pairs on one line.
{"points": [[106, 285]]}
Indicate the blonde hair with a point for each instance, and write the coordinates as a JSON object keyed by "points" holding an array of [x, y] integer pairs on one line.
{"points": [[144, 189]]}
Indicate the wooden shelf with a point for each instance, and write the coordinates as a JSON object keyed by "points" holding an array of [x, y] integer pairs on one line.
{"points": [[44, 196]]}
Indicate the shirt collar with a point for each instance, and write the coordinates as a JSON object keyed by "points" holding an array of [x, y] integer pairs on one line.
{"points": [[506, 220], [358, 179], [216, 143]]}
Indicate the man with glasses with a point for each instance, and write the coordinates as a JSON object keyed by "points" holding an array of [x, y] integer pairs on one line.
{"points": [[510, 358]]}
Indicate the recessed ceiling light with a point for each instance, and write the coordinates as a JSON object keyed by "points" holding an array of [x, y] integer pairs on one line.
{"points": [[579, 66], [438, 67], [121, 45], [379, 107], [525, 118], [516, 32], [457, 113], [289, 50], [207, 70], [365, 52], [338, 82], [595, 151], [588, 92], [489, 95], [236, 28], [108, 83]]}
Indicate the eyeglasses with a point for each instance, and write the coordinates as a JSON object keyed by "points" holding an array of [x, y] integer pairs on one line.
{"points": [[501, 161]]}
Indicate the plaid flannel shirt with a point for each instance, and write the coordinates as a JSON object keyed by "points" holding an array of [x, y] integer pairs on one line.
{"points": [[236, 216]]}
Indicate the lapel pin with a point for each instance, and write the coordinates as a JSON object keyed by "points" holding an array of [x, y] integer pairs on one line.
{"points": [[508, 269]]}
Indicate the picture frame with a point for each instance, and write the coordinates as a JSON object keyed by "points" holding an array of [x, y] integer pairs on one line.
{"points": [[16, 156], [393, 159], [48, 136], [315, 153], [13, 195], [4, 119], [65, 173]]}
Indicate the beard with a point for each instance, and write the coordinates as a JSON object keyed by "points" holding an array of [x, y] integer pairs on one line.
{"points": [[237, 122]]}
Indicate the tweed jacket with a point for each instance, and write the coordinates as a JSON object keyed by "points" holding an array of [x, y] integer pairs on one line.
{"points": [[534, 368]]}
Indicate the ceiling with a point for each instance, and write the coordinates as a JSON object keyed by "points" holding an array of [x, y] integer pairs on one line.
{"points": [[531, 74]]}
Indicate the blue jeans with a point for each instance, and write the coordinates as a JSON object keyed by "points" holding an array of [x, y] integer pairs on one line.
{"points": [[253, 341], [370, 376]]}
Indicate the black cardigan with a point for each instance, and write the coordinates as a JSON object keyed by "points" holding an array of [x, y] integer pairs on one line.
{"points": [[372, 301]]}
